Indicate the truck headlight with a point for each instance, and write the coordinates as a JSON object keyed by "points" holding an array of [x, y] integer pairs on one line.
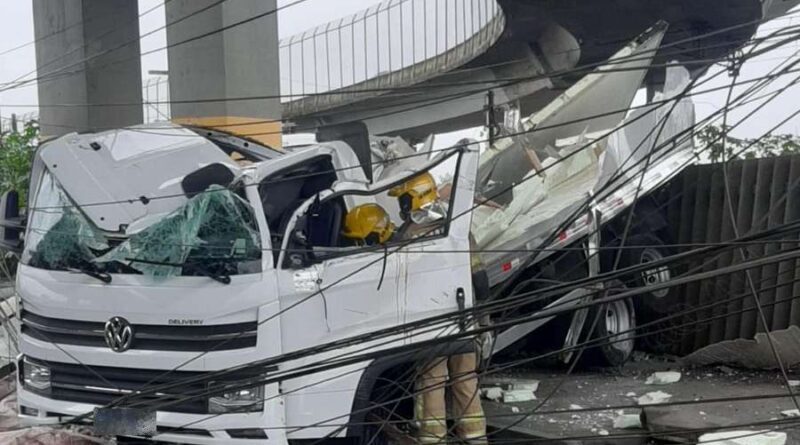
{"points": [[237, 401], [35, 376]]}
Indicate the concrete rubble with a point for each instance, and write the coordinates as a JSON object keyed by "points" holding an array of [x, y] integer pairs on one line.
{"points": [[518, 395], [654, 398], [494, 393], [743, 438], [628, 421], [681, 424], [510, 391], [751, 354], [13, 433], [663, 378]]}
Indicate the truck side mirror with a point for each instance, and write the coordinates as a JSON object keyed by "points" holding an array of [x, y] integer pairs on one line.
{"points": [[11, 224]]}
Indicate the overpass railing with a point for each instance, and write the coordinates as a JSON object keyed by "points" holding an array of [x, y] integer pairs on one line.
{"points": [[389, 45], [155, 94]]}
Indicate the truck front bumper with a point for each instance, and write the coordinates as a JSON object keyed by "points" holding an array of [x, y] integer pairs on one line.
{"points": [[199, 429]]}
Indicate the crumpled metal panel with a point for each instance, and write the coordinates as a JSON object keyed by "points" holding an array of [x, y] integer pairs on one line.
{"points": [[764, 194]]}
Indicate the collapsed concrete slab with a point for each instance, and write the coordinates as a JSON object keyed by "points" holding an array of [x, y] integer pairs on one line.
{"points": [[752, 354], [743, 438]]}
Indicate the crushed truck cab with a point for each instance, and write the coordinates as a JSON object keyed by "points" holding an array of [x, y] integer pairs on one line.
{"points": [[154, 254]]}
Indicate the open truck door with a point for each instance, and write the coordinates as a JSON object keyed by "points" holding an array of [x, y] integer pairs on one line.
{"points": [[350, 262]]}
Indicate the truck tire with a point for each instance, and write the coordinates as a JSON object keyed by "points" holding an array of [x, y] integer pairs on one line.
{"points": [[616, 326], [652, 249]]}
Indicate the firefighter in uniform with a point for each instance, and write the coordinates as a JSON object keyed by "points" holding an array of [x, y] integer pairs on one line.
{"points": [[417, 197], [370, 225]]}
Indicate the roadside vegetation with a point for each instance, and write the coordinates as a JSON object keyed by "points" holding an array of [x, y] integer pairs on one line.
{"points": [[16, 154], [710, 141]]}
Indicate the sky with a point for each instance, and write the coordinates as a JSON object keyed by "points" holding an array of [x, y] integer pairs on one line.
{"points": [[16, 28]]}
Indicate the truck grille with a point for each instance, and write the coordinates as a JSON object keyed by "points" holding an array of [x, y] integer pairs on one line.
{"points": [[145, 337], [103, 385]]}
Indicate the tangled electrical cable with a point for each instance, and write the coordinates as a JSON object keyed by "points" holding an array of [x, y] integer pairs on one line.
{"points": [[332, 364]]}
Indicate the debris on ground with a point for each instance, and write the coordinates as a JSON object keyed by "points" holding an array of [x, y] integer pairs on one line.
{"points": [[752, 354], [49, 436], [791, 413], [654, 398], [664, 378], [518, 395], [12, 432], [628, 421], [510, 391], [493, 393], [603, 394], [743, 438], [683, 424]]}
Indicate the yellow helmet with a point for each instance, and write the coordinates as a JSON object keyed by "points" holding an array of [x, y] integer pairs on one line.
{"points": [[368, 223], [415, 193]]}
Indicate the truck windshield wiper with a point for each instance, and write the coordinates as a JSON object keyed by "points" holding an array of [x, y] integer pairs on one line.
{"points": [[221, 277], [93, 272]]}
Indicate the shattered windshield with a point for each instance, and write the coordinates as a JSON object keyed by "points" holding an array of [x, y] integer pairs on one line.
{"points": [[60, 237], [214, 233]]}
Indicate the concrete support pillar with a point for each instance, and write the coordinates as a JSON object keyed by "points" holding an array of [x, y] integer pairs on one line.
{"points": [[239, 62], [87, 52]]}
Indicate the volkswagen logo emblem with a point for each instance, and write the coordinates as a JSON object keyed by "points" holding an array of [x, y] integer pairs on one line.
{"points": [[119, 334]]}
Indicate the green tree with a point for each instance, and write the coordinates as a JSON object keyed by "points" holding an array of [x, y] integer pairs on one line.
{"points": [[710, 140], [16, 154]]}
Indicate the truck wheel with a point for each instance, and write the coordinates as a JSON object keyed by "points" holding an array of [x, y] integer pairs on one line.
{"points": [[652, 250], [616, 326]]}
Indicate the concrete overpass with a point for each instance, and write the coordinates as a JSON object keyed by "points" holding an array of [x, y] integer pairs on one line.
{"points": [[401, 78], [405, 67]]}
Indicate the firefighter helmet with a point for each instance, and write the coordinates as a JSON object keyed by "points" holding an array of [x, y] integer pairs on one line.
{"points": [[415, 193], [368, 224]]}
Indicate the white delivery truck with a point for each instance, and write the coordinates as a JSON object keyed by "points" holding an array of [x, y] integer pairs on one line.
{"points": [[167, 248]]}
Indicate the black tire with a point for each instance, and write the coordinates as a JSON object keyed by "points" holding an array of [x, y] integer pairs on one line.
{"points": [[618, 317], [653, 249]]}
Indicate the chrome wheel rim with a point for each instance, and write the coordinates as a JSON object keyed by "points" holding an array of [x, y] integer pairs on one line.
{"points": [[657, 275], [618, 326]]}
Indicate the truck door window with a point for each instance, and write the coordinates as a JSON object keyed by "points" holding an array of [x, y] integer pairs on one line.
{"points": [[284, 191], [414, 208]]}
